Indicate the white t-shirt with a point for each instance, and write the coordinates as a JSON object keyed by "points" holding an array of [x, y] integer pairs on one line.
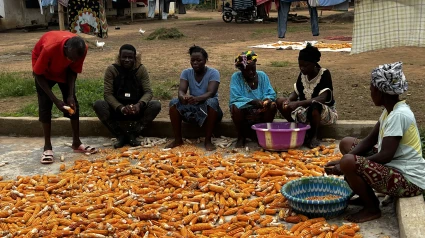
{"points": [[408, 157]]}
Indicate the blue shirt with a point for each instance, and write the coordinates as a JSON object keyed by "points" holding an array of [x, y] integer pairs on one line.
{"points": [[198, 89], [241, 94]]}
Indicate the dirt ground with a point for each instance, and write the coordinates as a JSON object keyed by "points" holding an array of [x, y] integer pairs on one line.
{"points": [[165, 59]]}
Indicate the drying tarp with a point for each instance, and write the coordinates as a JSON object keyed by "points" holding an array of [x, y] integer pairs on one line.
{"points": [[385, 24]]}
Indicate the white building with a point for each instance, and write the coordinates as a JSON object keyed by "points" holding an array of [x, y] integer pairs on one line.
{"points": [[15, 14]]}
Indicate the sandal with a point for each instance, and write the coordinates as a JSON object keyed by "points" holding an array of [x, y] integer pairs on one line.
{"points": [[85, 149], [47, 157]]}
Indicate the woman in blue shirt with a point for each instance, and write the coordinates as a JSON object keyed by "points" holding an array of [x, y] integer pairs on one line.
{"points": [[200, 105], [251, 96]]}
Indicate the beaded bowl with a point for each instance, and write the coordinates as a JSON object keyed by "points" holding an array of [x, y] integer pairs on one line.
{"points": [[298, 190]]}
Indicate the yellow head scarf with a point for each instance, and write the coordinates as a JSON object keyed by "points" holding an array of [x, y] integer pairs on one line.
{"points": [[245, 58]]}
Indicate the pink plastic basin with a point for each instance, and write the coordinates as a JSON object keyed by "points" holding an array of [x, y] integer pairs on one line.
{"points": [[280, 136]]}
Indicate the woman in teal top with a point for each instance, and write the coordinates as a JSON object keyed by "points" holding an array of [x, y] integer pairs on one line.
{"points": [[251, 96]]}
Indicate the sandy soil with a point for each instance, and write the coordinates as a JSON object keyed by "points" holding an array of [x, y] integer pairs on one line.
{"points": [[165, 59]]}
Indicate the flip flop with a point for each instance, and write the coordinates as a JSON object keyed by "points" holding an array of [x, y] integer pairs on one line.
{"points": [[47, 157], [85, 149]]}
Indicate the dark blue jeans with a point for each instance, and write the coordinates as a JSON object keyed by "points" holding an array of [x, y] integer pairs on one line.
{"points": [[283, 12]]}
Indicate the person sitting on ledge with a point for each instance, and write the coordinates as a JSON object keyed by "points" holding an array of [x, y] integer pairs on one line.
{"points": [[251, 96], [201, 104], [395, 166], [128, 97], [312, 100]]}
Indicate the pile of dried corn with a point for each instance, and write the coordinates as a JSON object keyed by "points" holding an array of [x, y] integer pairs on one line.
{"points": [[175, 193]]}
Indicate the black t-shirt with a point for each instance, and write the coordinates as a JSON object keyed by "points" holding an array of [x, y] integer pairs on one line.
{"points": [[310, 89]]}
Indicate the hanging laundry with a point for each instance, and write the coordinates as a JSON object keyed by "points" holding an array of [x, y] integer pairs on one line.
{"points": [[181, 7], [339, 7], [282, 18], [142, 1], [87, 16], [63, 3], [50, 4], [268, 4], [400, 23], [151, 11], [324, 3], [41, 7], [196, 2]]}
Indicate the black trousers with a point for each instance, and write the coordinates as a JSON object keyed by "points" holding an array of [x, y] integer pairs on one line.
{"points": [[45, 104], [109, 116]]}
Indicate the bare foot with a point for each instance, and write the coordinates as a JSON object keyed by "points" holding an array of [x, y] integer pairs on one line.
{"points": [[240, 143], [175, 143], [364, 215], [356, 202], [314, 142], [209, 146]]}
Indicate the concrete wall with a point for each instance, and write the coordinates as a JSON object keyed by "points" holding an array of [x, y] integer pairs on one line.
{"points": [[16, 14]]}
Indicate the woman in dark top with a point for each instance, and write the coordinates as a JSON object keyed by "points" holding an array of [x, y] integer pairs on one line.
{"points": [[312, 100]]}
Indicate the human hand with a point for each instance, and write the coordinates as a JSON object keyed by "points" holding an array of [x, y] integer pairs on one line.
{"points": [[335, 170], [60, 105], [267, 103], [332, 163], [191, 100], [130, 109], [292, 105], [183, 100], [257, 103], [124, 110], [71, 102]]}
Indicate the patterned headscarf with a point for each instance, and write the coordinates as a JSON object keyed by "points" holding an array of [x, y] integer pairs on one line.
{"points": [[390, 79], [245, 58]]}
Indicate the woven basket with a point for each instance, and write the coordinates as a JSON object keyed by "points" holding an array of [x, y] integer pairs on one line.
{"points": [[297, 190]]}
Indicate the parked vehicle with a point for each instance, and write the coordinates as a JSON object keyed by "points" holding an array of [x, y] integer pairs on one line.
{"points": [[242, 10]]}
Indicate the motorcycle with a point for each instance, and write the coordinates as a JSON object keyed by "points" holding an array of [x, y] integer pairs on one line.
{"points": [[248, 14]]}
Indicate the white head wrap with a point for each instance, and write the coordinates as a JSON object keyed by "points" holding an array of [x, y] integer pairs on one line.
{"points": [[390, 79]]}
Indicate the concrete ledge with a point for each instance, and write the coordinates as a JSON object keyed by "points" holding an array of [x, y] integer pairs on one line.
{"points": [[91, 126], [411, 216]]}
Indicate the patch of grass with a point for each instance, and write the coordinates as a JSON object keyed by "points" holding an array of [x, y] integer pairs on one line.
{"points": [[279, 63], [165, 90], [196, 18], [88, 91], [29, 110], [165, 34], [16, 85]]}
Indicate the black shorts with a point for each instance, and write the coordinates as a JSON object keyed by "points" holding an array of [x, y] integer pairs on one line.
{"points": [[45, 104]]}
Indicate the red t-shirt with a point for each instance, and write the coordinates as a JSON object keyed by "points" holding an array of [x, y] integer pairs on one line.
{"points": [[48, 58]]}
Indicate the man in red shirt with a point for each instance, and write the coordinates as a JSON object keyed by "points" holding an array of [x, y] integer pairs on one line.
{"points": [[57, 58]]}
